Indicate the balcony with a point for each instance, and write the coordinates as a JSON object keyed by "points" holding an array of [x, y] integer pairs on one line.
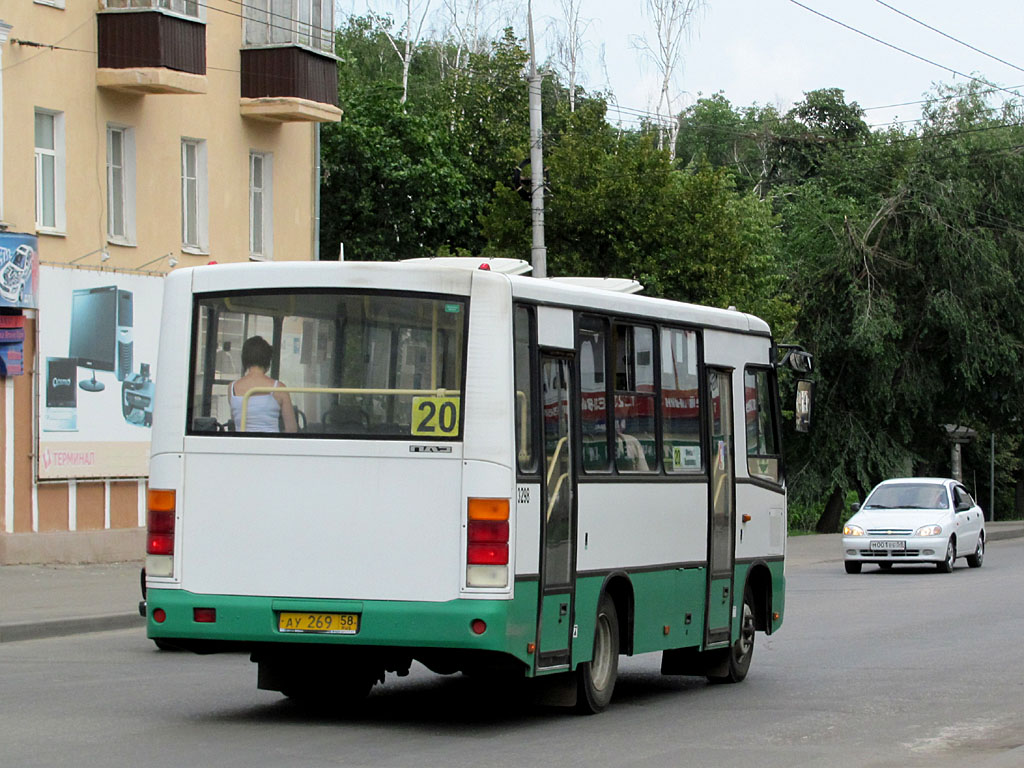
{"points": [[289, 83], [148, 50], [289, 70]]}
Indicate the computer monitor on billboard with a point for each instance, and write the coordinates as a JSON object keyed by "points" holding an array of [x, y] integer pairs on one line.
{"points": [[94, 332]]}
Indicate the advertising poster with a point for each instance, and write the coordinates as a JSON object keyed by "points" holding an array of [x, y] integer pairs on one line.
{"points": [[98, 334], [12, 345], [19, 270]]}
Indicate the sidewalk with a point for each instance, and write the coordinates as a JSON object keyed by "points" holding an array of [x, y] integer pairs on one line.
{"points": [[38, 601]]}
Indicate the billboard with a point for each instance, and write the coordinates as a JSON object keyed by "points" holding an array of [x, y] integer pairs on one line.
{"points": [[19, 270], [98, 335]]}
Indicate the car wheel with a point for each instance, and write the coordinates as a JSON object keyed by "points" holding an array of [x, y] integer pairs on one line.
{"points": [[852, 566], [742, 651], [596, 678], [946, 566], [975, 560]]}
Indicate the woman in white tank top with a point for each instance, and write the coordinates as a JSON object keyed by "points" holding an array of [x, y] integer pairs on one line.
{"points": [[264, 410]]}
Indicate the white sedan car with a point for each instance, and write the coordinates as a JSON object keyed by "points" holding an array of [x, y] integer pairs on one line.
{"points": [[915, 520]]}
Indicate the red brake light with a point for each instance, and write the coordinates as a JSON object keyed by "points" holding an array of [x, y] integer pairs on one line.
{"points": [[160, 522], [204, 615], [488, 531], [487, 554], [160, 544]]}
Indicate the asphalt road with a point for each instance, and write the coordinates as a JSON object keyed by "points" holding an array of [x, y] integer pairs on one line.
{"points": [[905, 668]]}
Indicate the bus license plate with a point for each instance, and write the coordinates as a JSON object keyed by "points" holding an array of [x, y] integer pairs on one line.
{"points": [[883, 544], [320, 623]]}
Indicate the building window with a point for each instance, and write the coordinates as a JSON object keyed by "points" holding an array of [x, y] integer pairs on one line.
{"points": [[121, 184], [194, 211], [193, 9], [290, 22], [261, 205], [49, 140]]}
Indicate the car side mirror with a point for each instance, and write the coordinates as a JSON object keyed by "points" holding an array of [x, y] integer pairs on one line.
{"points": [[855, 507]]}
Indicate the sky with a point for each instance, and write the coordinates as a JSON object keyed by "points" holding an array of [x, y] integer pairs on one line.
{"points": [[771, 52]]}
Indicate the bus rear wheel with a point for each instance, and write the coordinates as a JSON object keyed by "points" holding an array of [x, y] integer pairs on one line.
{"points": [[596, 678], [742, 651]]}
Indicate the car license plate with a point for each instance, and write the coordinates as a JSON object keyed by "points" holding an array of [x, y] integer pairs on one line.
{"points": [[320, 623], [888, 544]]}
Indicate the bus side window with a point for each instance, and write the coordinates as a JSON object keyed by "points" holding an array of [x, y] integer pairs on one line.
{"points": [[593, 394], [524, 411], [635, 449], [761, 427], [680, 401]]}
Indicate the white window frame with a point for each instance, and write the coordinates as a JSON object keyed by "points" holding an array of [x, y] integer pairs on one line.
{"points": [[290, 22], [261, 206], [59, 224], [194, 184], [126, 182], [187, 9], [51, 3]]}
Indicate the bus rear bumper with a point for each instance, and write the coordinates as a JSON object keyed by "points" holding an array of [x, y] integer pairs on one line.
{"points": [[212, 623]]}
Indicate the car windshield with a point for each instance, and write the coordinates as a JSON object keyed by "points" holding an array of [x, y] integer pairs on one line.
{"points": [[908, 496]]}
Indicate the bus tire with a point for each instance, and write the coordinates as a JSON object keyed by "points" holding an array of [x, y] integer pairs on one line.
{"points": [[596, 678], [742, 651]]}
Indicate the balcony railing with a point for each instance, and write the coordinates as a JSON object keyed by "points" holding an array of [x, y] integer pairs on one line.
{"points": [[306, 23], [152, 46], [289, 71]]}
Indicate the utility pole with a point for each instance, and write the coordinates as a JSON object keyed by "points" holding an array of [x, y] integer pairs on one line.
{"points": [[538, 253]]}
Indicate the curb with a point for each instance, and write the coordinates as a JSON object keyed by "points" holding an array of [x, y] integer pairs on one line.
{"points": [[37, 630], [1009, 533]]}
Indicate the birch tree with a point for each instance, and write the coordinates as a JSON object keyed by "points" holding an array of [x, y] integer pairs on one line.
{"points": [[406, 40], [673, 21], [568, 32]]}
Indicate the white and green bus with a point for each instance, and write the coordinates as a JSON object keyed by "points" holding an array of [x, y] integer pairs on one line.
{"points": [[490, 473]]}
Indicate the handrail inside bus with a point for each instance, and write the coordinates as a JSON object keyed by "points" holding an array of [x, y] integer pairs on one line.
{"points": [[554, 458], [523, 435], [554, 494], [341, 391]]}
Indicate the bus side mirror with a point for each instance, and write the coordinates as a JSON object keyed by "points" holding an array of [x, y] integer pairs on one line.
{"points": [[804, 404]]}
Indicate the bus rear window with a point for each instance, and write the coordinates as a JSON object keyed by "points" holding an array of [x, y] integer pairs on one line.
{"points": [[346, 364]]}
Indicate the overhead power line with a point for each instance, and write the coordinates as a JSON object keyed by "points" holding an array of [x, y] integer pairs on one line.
{"points": [[949, 37], [902, 50]]}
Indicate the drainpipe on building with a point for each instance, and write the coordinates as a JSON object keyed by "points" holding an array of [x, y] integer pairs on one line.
{"points": [[5, 31], [316, 191]]}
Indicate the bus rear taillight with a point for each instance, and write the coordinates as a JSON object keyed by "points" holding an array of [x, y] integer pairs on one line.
{"points": [[160, 532], [487, 543]]}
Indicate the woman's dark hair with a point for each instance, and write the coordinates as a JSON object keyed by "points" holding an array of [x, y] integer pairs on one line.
{"points": [[256, 351]]}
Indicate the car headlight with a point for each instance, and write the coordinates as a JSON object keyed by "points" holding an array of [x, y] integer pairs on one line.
{"points": [[929, 530], [852, 530]]}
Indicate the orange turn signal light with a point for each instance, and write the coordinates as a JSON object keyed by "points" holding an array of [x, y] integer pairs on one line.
{"points": [[159, 500], [488, 509]]}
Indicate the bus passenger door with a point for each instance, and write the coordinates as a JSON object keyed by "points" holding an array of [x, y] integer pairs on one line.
{"points": [[558, 536], [721, 546]]}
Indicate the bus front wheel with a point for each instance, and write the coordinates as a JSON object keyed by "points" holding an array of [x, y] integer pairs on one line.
{"points": [[742, 651], [596, 678]]}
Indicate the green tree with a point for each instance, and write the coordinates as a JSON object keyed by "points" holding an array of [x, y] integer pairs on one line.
{"points": [[906, 255]]}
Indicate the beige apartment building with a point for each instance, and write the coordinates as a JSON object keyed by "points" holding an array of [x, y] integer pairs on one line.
{"points": [[136, 136]]}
